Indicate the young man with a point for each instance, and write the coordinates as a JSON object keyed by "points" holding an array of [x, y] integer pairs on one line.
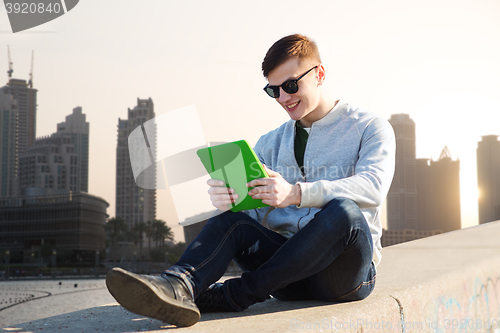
{"points": [[330, 168]]}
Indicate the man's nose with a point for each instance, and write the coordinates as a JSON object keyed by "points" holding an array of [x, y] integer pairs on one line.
{"points": [[283, 96]]}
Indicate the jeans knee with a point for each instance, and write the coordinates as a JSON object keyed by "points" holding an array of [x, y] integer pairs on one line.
{"points": [[345, 216], [342, 204], [343, 209]]}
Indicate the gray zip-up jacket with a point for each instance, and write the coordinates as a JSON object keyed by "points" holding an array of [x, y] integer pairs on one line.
{"points": [[349, 153]]}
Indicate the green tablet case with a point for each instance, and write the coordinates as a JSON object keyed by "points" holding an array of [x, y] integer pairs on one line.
{"points": [[236, 164]]}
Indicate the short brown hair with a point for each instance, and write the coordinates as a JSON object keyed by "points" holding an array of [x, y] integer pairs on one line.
{"points": [[288, 47]]}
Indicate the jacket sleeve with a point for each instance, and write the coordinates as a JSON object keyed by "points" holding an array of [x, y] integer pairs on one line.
{"points": [[372, 177]]}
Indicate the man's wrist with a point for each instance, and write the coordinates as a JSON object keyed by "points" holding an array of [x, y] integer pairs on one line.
{"points": [[298, 194]]}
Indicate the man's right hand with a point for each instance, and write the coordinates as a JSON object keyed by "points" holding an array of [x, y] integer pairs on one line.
{"points": [[221, 196]]}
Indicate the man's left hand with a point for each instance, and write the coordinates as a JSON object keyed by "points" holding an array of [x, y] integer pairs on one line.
{"points": [[275, 190]]}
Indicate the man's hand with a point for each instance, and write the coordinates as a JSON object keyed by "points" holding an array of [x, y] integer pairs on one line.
{"points": [[220, 195], [275, 191]]}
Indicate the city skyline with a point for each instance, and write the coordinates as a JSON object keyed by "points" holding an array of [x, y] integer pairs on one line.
{"points": [[425, 193], [74, 120], [450, 90]]}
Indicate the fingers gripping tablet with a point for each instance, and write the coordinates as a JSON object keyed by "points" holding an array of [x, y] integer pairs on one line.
{"points": [[236, 164]]}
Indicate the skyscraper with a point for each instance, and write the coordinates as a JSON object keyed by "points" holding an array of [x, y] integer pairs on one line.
{"points": [[78, 129], [133, 203], [51, 163], [59, 161], [8, 143], [425, 197], [17, 130], [488, 178], [26, 112], [402, 196], [438, 193]]}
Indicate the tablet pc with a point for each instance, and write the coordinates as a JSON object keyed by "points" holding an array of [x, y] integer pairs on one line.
{"points": [[236, 164]]}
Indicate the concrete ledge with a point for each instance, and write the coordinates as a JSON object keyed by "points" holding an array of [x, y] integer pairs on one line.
{"points": [[445, 283]]}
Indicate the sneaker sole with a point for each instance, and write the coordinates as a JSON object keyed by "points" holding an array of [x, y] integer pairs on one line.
{"points": [[139, 297]]}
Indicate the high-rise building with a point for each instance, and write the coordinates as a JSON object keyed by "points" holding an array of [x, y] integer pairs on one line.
{"points": [[51, 162], [59, 161], [488, 178], [8, 143], [134, 204], [78, 129], [17, 130], [425, 195], [402, 196], [26, 112], [438, 193]]}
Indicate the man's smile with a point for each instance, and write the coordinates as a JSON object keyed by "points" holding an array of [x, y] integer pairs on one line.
{"points": [[293, 106]]}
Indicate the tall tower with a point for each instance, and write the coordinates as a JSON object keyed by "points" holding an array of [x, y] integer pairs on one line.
{"points": [[8, 144], [26, 112], [488, 178], [133, 203], [438, 193], [402, 196], [425, 197], [76, 127], [17, 127]]}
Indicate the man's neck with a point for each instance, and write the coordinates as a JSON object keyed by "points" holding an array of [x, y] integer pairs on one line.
{"points": [[321, 111]]}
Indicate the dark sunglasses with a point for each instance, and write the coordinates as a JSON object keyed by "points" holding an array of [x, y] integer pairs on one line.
{"points": [[289, 86]]}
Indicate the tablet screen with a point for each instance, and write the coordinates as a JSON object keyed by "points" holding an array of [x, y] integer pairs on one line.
{"points": [[236, 164]]}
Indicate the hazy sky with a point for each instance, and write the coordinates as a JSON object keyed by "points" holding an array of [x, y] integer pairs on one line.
{"points": [[435, 60]]}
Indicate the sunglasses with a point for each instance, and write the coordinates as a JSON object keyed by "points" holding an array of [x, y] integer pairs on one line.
{"points": [[289, 86]]}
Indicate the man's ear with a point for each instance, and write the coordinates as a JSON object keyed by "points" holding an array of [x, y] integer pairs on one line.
{"points": [[321, 74]]}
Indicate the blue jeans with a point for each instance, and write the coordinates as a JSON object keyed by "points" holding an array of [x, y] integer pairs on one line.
{"points": [[329, 259]]}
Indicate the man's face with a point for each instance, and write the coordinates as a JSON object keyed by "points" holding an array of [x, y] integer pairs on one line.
{"points": [[302, 104]]}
